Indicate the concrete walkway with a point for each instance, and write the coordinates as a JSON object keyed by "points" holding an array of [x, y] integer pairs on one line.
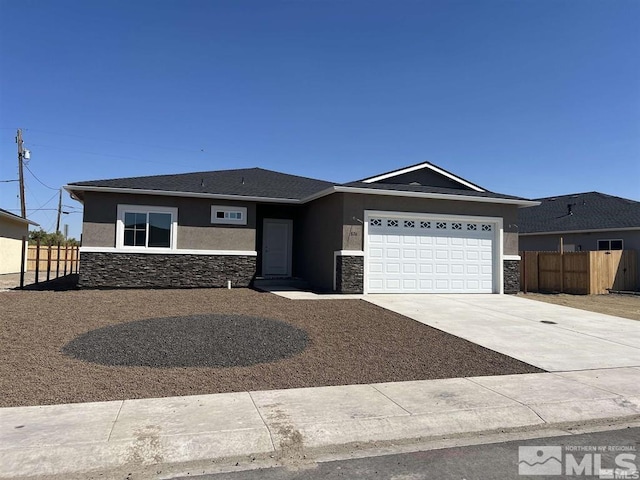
{"points": [[517, 327], [79, 438]]}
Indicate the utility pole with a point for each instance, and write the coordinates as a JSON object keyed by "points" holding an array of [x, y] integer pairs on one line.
{"points": [[23, 205], [59, 211]]}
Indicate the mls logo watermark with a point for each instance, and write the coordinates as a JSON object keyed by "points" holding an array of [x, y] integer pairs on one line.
{"points": [[540, 460], [578, 461]]}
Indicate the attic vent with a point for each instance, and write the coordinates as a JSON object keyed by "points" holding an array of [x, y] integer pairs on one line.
{"points": [[416, 184]]}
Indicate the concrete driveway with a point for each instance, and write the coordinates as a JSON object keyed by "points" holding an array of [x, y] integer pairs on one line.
{"points": [[515, 326]]}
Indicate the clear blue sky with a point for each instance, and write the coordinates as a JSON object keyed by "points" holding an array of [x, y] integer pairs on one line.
{"points": [[531, 98]]}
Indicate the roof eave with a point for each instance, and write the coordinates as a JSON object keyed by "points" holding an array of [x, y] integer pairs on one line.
{"points": [[323, 193], [592, 230], [170, 193], [16, 218], [438, 196]]}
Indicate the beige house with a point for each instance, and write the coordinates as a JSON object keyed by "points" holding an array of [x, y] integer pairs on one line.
{"points": [[12, 229]]}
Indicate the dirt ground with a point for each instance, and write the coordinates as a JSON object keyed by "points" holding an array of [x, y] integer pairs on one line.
{"points": [[348, 342], [626, 306]]}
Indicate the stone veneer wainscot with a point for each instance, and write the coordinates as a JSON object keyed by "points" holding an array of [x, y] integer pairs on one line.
{"points": [[349, 274], [140, 270], [511, 271]]}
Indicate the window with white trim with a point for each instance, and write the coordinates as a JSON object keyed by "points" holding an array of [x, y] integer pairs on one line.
{"points": [[146, 227], [610, 245], [224, 214]]}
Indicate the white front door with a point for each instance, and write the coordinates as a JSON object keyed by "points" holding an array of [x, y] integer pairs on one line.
{"points": [[276, 247]]}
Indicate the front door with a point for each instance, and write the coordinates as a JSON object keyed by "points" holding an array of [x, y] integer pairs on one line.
{"points": [[276, 247]]}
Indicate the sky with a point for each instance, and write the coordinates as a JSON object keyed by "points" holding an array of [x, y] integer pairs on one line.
{"points": [[528, 98]]}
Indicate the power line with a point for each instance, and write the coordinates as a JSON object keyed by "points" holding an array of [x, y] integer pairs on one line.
{"points": [[46, 203], [40, 210], [101, 154], [115, 141], [40, 181]]}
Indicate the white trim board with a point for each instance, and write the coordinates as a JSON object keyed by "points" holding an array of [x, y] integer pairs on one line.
{"points": [[349, 253], [170, 193], [428, 165], [435, 196], [165, 251], [294, 201]]}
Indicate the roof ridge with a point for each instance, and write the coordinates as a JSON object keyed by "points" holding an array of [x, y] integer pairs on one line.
{"points": [[206, 172], [593, 192]]}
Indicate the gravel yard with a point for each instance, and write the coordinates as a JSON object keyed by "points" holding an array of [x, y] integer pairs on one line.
{"points": [[94, 345], [625, 306]]}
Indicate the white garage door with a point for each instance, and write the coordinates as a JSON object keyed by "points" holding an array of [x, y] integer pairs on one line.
{"points": [[429, 255]]}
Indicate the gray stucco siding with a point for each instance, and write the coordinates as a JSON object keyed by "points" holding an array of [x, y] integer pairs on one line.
{"points": [[320, 235], [586, 241], [195, 230], [354, 205]]}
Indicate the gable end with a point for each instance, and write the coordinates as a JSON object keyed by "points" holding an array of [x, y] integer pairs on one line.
{"points": [[424, 174]]}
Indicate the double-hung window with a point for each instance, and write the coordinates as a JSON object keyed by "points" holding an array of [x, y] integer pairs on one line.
{"points": [[143, 227]]}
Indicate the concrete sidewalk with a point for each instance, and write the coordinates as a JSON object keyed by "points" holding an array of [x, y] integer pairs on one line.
{"points": [[79, 438]]}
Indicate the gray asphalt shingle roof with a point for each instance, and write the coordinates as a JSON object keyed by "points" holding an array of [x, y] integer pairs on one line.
{"points": [[587, 211], [258, 182], [249, 182]]}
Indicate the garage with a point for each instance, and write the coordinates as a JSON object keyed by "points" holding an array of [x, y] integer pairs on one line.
{"points": [[416, 253]]}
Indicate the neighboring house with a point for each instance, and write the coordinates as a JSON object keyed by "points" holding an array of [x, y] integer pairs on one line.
{"points": [[417, 229], [12, 229], [584, 221]]}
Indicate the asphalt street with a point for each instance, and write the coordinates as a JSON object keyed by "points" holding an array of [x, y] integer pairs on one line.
{"points": [[579, 458]]}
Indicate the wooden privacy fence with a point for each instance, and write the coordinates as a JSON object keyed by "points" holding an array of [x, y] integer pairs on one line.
{"points": [[586, 273], [52, 261]]}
